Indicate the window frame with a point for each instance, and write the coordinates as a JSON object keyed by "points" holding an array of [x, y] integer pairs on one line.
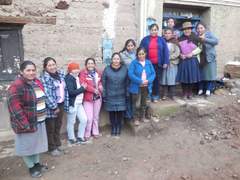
{"points": [[18, 28]]}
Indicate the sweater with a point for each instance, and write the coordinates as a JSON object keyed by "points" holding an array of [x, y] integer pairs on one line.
{"points": [[163, 54], [135, 75]]}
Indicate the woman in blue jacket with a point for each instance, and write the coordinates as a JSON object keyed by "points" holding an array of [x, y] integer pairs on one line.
{"points": [[141, 74], [157, 53], [208, 65]]}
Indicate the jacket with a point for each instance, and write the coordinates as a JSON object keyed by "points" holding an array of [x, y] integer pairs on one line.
{"points": [[22, 106], [51, 93], [115, 82], [135, 74], [210, 42], [163, 53], [89, 91], [73, 91]]}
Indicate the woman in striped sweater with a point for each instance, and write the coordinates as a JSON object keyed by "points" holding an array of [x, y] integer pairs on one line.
{"points": [[27, 108]]}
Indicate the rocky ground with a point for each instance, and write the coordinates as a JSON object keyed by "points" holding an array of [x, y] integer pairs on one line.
{"points": [[195, 140]]}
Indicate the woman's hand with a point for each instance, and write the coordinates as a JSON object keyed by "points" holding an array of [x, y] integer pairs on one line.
{"points": [[84, 85], [56, 111], [96, 91], [165, 66], [189, 55], [182, 56], [202, 38], [145, 82]]}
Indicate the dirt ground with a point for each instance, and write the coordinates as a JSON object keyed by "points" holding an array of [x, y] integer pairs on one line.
{"points": [[188, 146]]}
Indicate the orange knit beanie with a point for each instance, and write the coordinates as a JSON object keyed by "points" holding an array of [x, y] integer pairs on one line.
{"points": [[72, 66]]}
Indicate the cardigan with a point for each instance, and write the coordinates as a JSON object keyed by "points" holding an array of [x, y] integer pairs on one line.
{"points": [[22, 105], [115, 82], [163, 53], [210, 42], [51, 92], [89, 91], [73, 91], [135, 75]]}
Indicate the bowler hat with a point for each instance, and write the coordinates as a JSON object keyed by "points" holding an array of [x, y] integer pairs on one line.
{"points": [[187, 25]]}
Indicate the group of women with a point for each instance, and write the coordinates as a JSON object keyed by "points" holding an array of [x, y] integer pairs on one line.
{"points": [[36, 106]]}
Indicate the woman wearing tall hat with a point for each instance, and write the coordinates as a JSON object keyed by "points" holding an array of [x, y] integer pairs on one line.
{"points": [[188, 70]]}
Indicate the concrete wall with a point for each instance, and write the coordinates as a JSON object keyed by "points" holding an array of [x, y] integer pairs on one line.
{"points": [[225, 24]]}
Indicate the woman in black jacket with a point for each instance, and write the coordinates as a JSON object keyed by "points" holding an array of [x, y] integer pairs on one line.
{"points": [[75, 91], [114, 80]]}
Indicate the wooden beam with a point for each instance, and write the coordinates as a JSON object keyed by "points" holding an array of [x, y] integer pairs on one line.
{"points": [[27, 19], [5, 2]]}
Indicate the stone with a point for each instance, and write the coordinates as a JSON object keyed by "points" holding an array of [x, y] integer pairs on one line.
{"points": [[125, 158], [232, 69], [235, 176], [62, 5]]}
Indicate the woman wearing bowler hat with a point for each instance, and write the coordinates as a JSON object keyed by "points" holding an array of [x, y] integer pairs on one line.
{"points": [[188, 70]]}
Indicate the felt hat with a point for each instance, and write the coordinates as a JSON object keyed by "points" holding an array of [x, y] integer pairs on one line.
{"points": [[187, 25]]}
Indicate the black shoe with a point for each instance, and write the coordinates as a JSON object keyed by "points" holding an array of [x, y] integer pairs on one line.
{"points": [[35, 172], [41, 167], [81, 141], [71, 142]]}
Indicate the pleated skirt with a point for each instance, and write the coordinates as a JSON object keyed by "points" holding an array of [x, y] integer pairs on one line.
{"points": [[169, 75], [188, 71]]}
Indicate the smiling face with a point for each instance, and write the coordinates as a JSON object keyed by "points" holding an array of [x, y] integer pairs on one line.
{"points": [[75, 72], [201, 29], [130, 46], [168, 34], [141, 55], [170, 23], [29, 72], [90, 65], [51, 67], [116, 60], [187, 31]]}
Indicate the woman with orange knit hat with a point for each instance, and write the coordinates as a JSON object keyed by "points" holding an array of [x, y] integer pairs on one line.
{"points": [[75, 91]]}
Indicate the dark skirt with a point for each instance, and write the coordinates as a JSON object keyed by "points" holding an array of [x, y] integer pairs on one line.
{"points": [[188, 71]]}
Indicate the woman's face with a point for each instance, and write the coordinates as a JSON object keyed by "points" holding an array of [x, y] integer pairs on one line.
{"points": [[90, 65], [75, 72], [168, 34], [201, 29], [170, 23], [154, 31], [130, 47], [141, 55], [29, 72], [116, 60], [51, 67], [187, 32]]}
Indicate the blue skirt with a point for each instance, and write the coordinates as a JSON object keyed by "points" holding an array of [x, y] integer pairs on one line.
{"points": [[188, 71]]}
